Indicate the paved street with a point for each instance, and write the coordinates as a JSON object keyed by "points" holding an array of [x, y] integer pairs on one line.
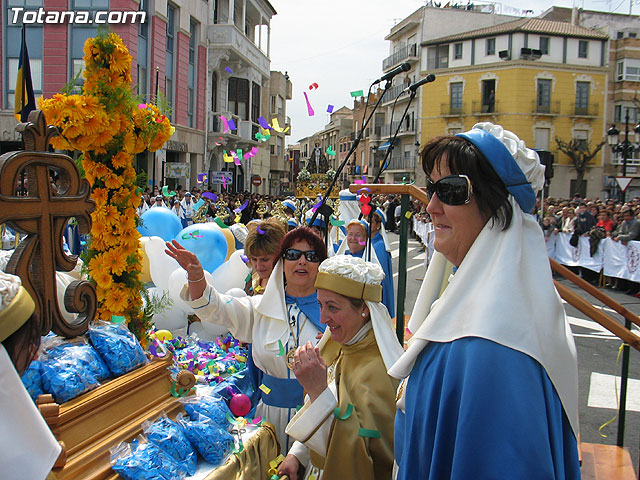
{"points": [[597, 352]]}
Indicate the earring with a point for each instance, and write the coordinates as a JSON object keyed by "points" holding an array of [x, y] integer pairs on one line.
{"points": [[363, 314]]}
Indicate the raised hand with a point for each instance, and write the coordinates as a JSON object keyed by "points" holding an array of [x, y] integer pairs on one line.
{"points": [[310, 370]]}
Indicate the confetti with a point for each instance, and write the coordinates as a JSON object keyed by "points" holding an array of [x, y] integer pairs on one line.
{"points": [[313, 86], [361, 242], [244, 258], [166, 193], [228, 70], [309, 107], [265, 389], [232, 124], [330, 150], [329, 108], [211, 196], [347, 413], [364, 189], [219, 141], [364, 432], [336, 223], [198, 205], [408, 214], [281, 349], [357, 93], [225, 122], [263, 123], [142, 106], [260, 231], [360, 182]]}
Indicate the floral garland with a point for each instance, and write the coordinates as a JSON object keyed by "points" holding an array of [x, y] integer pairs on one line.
{"points": [[109, 127]]}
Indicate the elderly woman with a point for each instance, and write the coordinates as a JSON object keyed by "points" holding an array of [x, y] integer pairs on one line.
{"points": [[345, 375], [286, 316], [261, 247], [490, 381], [356, 244]]}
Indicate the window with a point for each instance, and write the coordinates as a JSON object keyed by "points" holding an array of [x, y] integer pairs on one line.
{"points": [[543, 97], [442, 56], [272, 109], [583, 49], [239, 97], [11, 50], [491, 46], [456, 97], [169, 57], [620, 114], [628, 70], [582, 138], [542, 136], [193, 45], [457, 51], [255, 102], [582, 97], [619, 35], [544, 45], [141, 66], [214, 92]]}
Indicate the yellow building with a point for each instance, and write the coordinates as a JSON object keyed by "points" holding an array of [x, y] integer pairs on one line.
{"points": [[539, 78]]}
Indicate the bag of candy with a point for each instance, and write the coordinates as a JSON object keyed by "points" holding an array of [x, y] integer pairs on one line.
{"points": [[118, 347], [211, 406], [32, 380], [70, 367], [142, 460], [168, 435], [213, 442]]}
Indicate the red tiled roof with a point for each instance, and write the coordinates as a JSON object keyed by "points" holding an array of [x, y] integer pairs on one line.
{"points": [[529, 25]]}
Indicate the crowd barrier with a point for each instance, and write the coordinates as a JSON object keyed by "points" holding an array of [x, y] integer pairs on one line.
{"points": [[614, 258]]}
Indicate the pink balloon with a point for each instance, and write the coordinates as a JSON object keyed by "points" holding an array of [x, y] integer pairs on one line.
{"points": [[240, 405]]}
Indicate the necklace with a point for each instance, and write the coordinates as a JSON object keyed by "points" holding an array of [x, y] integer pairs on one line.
{"points": [[296, 339]]}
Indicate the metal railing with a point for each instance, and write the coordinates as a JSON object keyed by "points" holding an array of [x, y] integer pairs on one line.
{"points": [[483, 108], [391, 94], [399, 55], [550, 108], [589, 110], [388, 130], [448, 110]]}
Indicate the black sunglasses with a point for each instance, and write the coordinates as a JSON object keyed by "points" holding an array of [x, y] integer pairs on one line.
{"points": [[293, 255], [452, 189]]}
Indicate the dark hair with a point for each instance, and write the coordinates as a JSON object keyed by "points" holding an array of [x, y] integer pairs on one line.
{"points": [[302, 234], [463, 158], [22, 345]]}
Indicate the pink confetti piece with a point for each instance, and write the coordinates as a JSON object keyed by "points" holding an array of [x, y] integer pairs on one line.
{"points": [[142, 106], [236, 160], [407, 331], [360, 182], [224, 181], [309, 107], [362, 242], [225, 122]]}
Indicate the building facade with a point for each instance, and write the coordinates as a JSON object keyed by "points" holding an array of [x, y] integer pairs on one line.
{"points": [[203, 59], [541, 79]]}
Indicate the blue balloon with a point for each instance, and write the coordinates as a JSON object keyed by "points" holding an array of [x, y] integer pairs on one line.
{"points": [[160, 222], [207, 241]]}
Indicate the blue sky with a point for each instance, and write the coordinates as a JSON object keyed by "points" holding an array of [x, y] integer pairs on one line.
{"points": [[340, 46]]}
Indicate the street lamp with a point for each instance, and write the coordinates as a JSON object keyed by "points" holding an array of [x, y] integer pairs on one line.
{"points": [[626, 147]]}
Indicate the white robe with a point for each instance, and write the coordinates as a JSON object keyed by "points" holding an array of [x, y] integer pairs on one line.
{"points": [[262, 321]]}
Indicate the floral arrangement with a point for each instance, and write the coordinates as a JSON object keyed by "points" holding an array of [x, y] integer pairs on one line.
{"points": [[329, 175], [109, 127], [304, 175]]}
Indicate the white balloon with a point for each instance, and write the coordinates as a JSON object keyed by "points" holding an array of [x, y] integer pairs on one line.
{"points": [[207, 331], [177, 281], [161, 265], [231, 274], [172, 319]]}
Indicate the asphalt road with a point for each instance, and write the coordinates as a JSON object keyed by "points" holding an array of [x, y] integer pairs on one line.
{"points": [[598, 365]]}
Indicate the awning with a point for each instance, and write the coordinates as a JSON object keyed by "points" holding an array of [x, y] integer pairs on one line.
{"points": [[384, 146]]}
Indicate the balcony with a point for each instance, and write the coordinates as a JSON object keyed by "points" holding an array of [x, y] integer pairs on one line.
{"points": [[391, 94], [479, 108], [400, 55], [590, 110], [549, 108], [400, 162], [448, 110], [405, 129], [224, 36], [245, 130]]}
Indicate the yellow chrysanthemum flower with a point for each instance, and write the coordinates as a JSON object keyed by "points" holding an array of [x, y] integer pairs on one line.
{"points": [[116, 262]]}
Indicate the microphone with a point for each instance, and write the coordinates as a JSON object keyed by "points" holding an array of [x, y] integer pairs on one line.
{"points": [[412, 88], [403, 67]]}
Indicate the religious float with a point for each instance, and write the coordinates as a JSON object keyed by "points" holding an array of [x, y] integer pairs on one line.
{"points": [[104, 376]]}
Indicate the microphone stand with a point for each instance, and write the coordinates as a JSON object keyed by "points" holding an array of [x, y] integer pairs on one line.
{"points": [[323, 208], [392, 140]]}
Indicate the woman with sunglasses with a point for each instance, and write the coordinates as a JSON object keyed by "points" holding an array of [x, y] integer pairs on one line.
{"points": [[489, 381], [284, 317], [346, 372]]}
